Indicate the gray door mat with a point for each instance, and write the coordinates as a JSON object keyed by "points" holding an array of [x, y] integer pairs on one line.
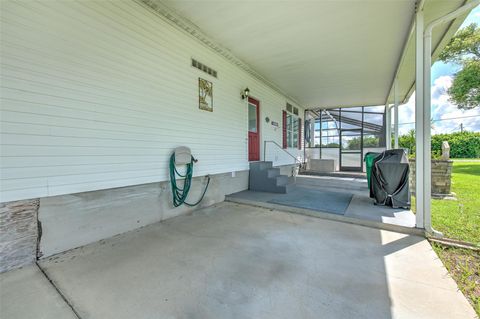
{"points": [[322, 201]]}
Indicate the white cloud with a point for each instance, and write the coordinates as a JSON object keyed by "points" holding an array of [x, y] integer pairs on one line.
{"points": [[447, 117], [474, 16]]}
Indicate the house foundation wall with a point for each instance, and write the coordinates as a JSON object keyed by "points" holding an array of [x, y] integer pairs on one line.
{"points": [[37, 228], [70, 221]]}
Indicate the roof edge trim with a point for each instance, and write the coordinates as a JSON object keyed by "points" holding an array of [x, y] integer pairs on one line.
{"points": [[173, 18]]}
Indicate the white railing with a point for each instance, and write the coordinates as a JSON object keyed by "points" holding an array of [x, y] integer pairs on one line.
{"points": [[291, 159]]}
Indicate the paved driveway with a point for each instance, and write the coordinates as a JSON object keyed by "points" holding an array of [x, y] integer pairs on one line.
{"points": [[237, 261]]}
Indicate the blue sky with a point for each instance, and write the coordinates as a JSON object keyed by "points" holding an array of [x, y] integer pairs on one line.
{"points": [[442, 109]]}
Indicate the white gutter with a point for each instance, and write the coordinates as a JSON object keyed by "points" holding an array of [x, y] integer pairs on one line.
{"points": [[388, 127], [419, 84], [395, 114], [427, 156], [418, 7]]}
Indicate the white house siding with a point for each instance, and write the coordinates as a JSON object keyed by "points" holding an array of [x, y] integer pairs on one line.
{"points": [[96, 94]]}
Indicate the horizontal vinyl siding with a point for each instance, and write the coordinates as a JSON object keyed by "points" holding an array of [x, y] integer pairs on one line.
{"points": [[96, 94]]}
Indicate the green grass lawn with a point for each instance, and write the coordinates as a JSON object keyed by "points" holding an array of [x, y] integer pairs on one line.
{"points": [[460, 219]]}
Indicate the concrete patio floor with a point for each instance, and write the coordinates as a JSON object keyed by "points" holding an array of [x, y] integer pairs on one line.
{"points": [[238, 261], [27, 293]]}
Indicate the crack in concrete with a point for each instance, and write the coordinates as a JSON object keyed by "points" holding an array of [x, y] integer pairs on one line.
{"points": [[69, 304]]}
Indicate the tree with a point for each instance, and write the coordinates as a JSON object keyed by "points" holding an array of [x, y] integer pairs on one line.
{"points": [[465, 90], [408, 141], [462, 144], [464, 49], [368, 141]]}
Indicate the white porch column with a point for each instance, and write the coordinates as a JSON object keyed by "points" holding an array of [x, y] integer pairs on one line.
{"points": [[395, 113], [388, 126], [426, 135], [419, 119]]}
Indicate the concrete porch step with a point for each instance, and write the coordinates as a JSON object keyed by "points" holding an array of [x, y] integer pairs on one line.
{"points": [[282, 180], [273, 172], [264, 177]]}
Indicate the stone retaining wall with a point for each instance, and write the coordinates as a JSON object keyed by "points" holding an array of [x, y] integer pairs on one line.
{"points": [[441, 177], [18, 233]]}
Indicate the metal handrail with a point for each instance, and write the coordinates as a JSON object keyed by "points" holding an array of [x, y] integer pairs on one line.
{"points": [[280, 147]]}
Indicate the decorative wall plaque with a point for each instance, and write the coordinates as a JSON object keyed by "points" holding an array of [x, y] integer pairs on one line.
{"points": [[205, 95]]}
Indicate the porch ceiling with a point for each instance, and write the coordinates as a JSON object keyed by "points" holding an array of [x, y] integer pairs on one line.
{"points": [[321, 53]]}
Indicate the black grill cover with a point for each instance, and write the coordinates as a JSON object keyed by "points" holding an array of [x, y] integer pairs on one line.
{"points": [[389, 179]]}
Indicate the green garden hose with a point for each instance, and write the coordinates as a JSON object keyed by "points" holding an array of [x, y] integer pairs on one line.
{"points": [[180, 194]]}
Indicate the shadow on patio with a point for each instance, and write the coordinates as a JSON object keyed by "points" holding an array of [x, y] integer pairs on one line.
{"points": [[238, 261]]}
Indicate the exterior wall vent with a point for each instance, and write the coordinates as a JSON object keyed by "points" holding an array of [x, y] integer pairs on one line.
{"points": [[292, 109], [204, 68], [289, 108]]}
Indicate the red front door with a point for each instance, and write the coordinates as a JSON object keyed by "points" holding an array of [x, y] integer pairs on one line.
{"points": [[253, 130]]}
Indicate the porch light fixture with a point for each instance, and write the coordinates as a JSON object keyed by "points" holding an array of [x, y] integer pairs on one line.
{"points": [[245, 93]]}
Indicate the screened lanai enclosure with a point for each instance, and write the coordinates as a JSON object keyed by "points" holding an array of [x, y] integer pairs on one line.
{"points": [[340, 137]]}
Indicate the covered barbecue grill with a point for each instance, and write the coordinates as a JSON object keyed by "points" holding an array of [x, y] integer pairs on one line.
{"points": [[389, 179]]}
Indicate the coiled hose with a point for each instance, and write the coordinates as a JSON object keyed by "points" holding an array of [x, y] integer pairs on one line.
{"points": [[180, 194]]}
